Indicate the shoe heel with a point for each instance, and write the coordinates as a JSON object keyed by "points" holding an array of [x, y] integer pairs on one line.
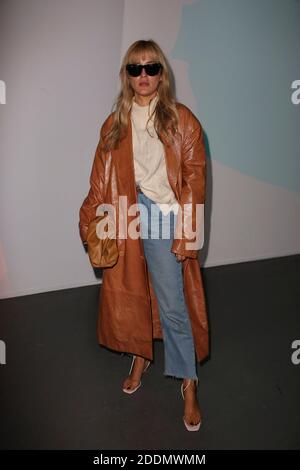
{"points": [[132, 362], [147, 366]]}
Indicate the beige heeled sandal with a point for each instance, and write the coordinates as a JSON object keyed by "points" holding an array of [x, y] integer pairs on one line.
{"points": [[189, 427], [132, 390]]}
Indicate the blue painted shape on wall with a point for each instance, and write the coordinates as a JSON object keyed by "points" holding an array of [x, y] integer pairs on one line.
{"points": [[243, 56]]}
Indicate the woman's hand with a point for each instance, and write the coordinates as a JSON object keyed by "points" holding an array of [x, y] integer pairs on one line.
{"points": [[179, 257]]}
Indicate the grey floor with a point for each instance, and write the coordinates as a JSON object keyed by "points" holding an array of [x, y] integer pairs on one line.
{"points": [[61, 390]]}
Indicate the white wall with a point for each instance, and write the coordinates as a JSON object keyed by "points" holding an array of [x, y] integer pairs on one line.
{"points": [[59, 60], [234, 62]]}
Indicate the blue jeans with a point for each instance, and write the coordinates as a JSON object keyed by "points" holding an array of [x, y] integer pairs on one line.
{"points": [[167, 281]]}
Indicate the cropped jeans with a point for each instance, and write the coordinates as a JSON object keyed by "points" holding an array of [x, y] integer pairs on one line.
{"points": [[157, 234]]}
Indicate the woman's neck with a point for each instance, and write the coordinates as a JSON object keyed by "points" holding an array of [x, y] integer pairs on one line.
{"points": [[144, 100]]}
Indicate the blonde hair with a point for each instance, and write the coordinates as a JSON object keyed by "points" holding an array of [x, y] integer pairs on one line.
{"points": [[166, 115]]}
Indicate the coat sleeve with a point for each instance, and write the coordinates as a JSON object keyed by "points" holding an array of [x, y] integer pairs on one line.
{"points": [[192, 197], [95, 197]]}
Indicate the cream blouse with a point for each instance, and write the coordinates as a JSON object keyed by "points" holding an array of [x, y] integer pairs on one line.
{"points": [[149, 158]]}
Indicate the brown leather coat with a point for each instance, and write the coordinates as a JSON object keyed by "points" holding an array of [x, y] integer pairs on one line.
{"points": [[128, 311]]}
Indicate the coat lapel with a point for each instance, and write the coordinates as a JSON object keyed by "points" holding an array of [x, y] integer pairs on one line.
{"points": [[173, 159]]}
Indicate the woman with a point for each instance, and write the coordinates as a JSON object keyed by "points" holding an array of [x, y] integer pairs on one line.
{"points": [[151, 153]]}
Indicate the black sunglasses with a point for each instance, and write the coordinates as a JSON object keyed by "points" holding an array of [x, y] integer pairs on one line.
{"points": [[135, 70]]}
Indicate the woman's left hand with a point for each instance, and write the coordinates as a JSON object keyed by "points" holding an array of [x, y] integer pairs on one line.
{"points": [[180, 257]]}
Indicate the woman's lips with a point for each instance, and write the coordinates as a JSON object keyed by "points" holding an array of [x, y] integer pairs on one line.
{"points": [[143, 83]]}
